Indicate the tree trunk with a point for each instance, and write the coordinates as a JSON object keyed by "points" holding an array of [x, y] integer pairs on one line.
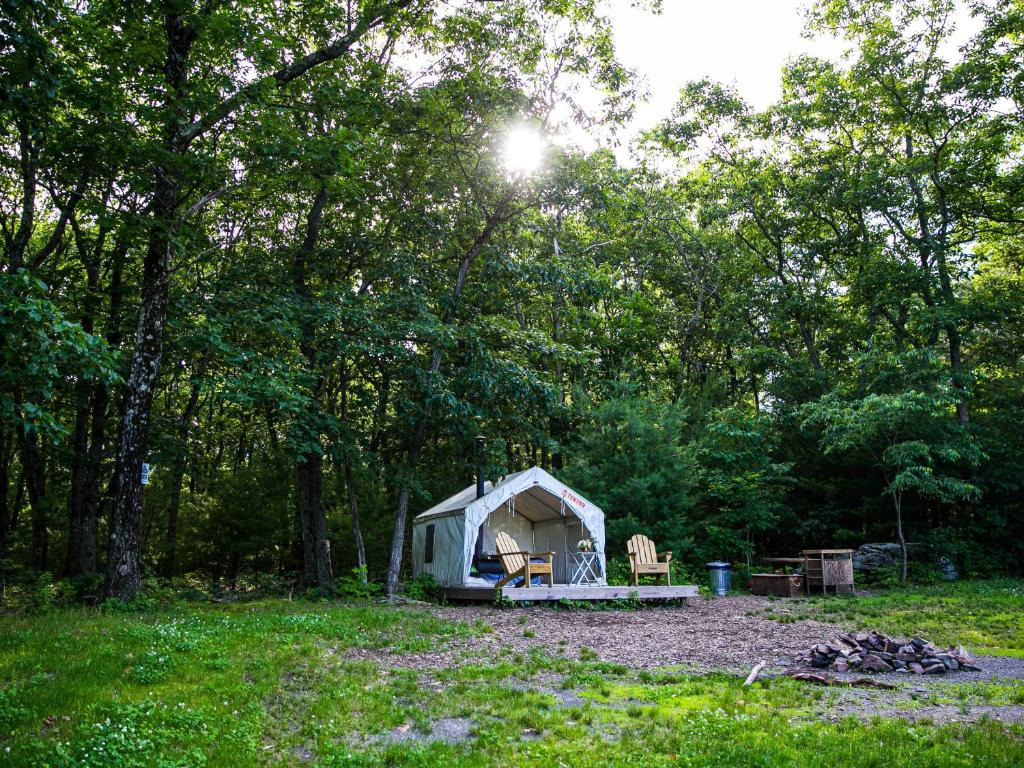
{"points": [[124, 578], [5, 479], [34, 469], [353, 512], [91, 255], [177, 478], [350, 489], [171, 541], [897, 500], [79, 469], [316, 548], [92, 496]]}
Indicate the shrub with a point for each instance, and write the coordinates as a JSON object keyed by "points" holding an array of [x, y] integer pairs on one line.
{"points": [[424, 587], [356, 586], [41, 594], [682, 573]]}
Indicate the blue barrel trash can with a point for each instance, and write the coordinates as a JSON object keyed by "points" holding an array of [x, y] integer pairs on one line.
{"points": [[718, 578]]}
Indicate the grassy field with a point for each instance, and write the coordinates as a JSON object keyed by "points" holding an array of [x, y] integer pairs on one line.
{"points": [[279, 683], [986, 616]]}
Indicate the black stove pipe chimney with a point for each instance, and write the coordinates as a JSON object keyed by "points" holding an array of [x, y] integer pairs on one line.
{"points": [[478, 550], [480, 439]]}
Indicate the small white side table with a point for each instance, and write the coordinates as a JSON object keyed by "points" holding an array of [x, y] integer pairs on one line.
{"points": [[586, 568]]}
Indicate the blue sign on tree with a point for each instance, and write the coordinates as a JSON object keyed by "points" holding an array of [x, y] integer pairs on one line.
{"points": [[145, 474]]}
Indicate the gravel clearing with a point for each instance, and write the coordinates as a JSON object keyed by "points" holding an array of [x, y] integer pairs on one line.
{"points": [[703, 636]]}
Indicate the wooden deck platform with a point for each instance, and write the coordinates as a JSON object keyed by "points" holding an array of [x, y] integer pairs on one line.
{"points": [[566, 592]]}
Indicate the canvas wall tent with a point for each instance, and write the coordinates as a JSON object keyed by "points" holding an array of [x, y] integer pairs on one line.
{"points": [[539, 512]]}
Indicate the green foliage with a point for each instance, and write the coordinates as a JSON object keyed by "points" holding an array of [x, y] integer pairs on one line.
{"points": [[40, 348], [682, 572], [40, 593], [424, 588], [745, 342], [356, 586], [743, 486], [633, 462]]}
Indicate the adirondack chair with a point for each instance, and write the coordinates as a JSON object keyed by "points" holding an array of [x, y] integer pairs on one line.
{"points": [[517, 562], [643, 560]]}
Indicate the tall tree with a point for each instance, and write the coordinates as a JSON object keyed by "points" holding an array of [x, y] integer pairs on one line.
{"points": [[185, 116]]}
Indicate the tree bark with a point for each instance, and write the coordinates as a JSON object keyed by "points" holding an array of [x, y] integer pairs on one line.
{"points": [[177, 478], [350, 488], [90, 254], [179, 133], [316, 548], [353, 512], [124, 578], [5, 478], [897, 500], [79, 461], [34, 469], [402, 510], [101, 397]]}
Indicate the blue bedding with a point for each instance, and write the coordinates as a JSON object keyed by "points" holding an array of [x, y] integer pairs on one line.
{"points": [[493, 572]]}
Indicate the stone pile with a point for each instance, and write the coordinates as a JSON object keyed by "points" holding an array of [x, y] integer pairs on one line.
{"points": [[876, 652]]}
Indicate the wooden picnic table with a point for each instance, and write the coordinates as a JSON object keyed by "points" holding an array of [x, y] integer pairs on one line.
{"points": [[780, 582]]}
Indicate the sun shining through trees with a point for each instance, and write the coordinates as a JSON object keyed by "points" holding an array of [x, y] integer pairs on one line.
{"points": [[268, 269], [523, 150]]}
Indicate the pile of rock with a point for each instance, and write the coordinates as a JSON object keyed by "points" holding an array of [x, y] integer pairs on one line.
{"points": [[874, 557], [876, 652]]}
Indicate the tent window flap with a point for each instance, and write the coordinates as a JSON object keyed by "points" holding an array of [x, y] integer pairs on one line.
{"points": [[428, 545]]}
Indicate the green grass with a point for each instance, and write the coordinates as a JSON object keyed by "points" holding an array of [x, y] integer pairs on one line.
{"points": [[984, 616], [277, 683]]}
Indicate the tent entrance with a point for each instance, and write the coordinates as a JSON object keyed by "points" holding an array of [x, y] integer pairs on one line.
{"points": [[539, 522]]}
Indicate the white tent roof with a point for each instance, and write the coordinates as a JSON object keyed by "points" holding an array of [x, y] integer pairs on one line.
{"points": [[534, 506], [539, 496], [455, 503]]}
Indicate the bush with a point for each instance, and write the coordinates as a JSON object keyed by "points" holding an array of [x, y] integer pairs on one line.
{"points": [[682, 573], [154, 595], [41, 594], [356, 586], [424, 587]]}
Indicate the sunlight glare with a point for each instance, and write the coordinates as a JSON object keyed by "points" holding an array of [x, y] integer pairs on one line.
{"points": [[523, 151]]}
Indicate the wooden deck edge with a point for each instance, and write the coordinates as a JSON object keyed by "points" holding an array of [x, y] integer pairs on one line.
{"points": [[565, 592]]}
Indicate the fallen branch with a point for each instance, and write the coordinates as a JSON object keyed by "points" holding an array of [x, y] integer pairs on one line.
{"points": [[868, 682], [754, 673], [865, 682]]}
